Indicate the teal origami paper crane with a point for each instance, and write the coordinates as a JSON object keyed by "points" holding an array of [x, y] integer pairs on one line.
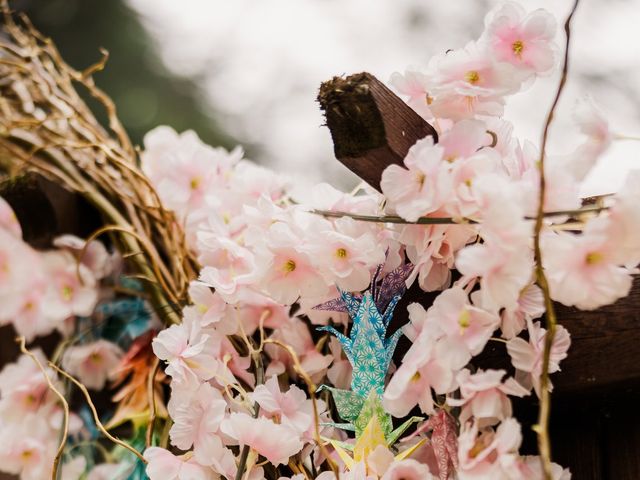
{"points": [[369, 351]]}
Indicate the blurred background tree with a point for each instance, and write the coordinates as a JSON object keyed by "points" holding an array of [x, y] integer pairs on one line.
{"points": [[145, 93]]}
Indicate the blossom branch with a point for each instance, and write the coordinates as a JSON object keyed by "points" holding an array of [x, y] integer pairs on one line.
{"points": [[588, 209], [63, 401], [542, 427]]}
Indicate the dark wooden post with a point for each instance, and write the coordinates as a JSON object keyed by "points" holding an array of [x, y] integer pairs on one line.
{"points": [[371, 127]]}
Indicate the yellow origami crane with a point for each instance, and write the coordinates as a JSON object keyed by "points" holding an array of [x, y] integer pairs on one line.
{"points": [[370, 439]]}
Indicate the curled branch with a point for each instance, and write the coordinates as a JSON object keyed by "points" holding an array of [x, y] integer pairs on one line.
{"points": [[63, 401], [96, 418]]}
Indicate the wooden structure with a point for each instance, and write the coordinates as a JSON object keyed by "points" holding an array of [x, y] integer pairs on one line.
{"points": [[595, 426]]}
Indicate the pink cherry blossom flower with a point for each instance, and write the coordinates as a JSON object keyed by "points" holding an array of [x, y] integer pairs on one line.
{"points": [[23, 389], [208, 307], [621, 224], [562, 191], [530, 306], [21, 277], [197, 416], [379, 460], [527, 356], [467, 82], [466, 173], [256, 310], [525, 41], [260, 433], [227, 265], [255, 181], [583, 269], [92, 363], [163, 465], [419, 372], [488, 453], [94, 256], [464, 139], [72, 289], [465, 329], [185, 350], [407, 470], [346, 260], [503, 271], [417, 321], [421, 187], [485, 397], [432, 249], [285, 271], [594, 126], [183, 168], [502, 209], [31, 317], [292, 408], [26, 457], [296, 335], [414, 85]]}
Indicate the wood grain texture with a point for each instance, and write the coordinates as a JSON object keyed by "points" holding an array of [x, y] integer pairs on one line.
{"points": [[371, 127]]}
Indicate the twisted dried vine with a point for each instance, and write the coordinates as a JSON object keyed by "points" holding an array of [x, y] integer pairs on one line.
{"points": [[46, 127]]}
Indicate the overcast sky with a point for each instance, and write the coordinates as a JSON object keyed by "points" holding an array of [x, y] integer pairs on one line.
{"points": [[259, 63]]}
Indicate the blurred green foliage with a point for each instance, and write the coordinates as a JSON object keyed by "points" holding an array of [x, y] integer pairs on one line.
{"points": [[145, 93]]}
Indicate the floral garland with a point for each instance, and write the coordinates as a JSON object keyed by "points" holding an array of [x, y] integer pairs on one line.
{"points": [[282, 366]]}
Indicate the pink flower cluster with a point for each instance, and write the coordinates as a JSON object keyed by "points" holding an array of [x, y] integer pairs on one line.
{"points": [[42, 292], [241, 360]]}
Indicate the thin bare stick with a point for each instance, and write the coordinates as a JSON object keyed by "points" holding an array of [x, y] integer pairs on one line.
{"points": [[65, 407], [96, 418], [542, 427], [588, 209], [311, 386], [151, 392], [244, 454]]}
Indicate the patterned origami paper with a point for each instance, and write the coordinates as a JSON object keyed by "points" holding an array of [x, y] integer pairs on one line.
{"points": [[369, 351]]}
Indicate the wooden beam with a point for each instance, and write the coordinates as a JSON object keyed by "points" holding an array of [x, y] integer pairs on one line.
{"points": [[605, 345], [371, 127]]}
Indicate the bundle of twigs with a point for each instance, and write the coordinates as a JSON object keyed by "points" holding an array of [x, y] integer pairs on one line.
{"points": [[47, 128]]}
